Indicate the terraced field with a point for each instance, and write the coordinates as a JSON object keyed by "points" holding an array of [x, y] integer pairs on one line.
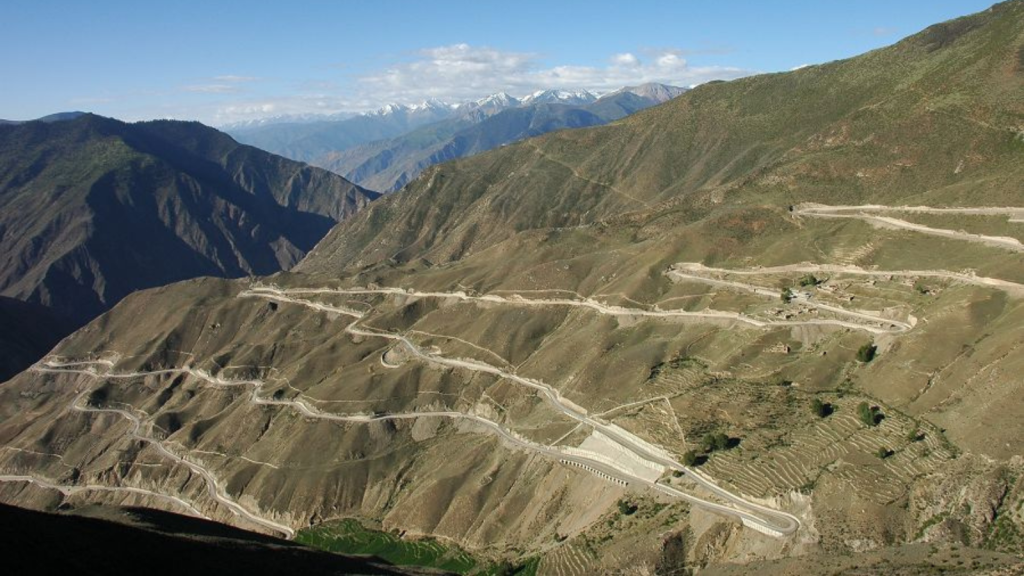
{"points": [[568, 560], [841, 445]]}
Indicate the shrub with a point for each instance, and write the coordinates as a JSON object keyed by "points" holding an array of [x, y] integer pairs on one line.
{"points": [[786, 295], [809, 280], [870, 415], [717, 441], [627, 508], [820, 409], [884, 453], [689, 459], [866, 353]]}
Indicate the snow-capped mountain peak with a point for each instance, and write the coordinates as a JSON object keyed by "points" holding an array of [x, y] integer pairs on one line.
{"points": [[389, 109], [430, 104], [501, 99], [559, 97]]}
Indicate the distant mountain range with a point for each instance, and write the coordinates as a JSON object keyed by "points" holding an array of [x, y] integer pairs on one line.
{"points": [[92, 209], [385, 149], [306, 140], [58, 117]]}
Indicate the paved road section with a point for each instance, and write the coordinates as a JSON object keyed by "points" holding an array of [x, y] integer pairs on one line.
{"points": [[755, 515]]}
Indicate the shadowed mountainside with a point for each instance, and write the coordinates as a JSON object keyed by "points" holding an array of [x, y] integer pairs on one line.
{"points": [[98, 540], [92, 208], [27, 332]]}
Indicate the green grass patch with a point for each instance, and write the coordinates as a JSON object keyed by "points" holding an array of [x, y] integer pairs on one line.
{"points": [[349, 536]]}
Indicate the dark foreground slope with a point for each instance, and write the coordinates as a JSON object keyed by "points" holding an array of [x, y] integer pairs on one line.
{"points": [[92, 208], [107, 541], [445, 361]]}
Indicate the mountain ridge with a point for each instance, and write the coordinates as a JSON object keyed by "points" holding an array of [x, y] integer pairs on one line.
{"points": [[388, 165], [313, 141], [774, 322], [83, 197]]}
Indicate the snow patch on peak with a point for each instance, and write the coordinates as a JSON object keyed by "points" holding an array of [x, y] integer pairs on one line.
{"points": [[560, 97]]}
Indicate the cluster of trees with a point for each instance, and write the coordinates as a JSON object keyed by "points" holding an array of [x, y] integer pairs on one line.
{"points": [[711, 442]]}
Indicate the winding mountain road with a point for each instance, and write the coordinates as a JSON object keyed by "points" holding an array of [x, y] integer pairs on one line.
{"points": [[1012, 288], [891, 325], [863, 213], [760, 517], [763, 519], [279, 294], [72, 489], [214, 488]]}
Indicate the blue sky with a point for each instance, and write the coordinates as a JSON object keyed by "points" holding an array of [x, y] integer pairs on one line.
{"points": [[220, 61]]}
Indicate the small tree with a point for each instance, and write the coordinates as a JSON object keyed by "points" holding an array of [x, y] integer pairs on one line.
{"points": [[866, 353], [820, 409], [721, 441], [690, 458], [627, 508], [786, 295], [717, 441], [809, 280], [884, 452], [867, 414]]}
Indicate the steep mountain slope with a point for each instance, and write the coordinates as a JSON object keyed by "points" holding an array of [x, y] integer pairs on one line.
{"points": [[773, 319], [27, 333], [93, 208], [933, 119], [389, 164]]}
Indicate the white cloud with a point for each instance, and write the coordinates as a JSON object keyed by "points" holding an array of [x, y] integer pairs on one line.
{"points": [[626, 59], [223, 84], [233, 78], [460, 72], [211, 88]]}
